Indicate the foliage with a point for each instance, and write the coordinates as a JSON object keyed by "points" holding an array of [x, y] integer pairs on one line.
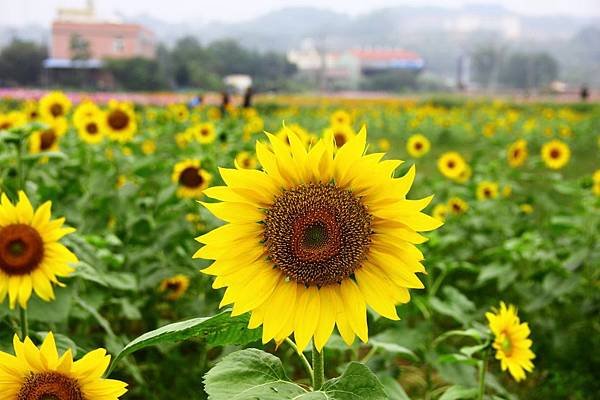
{"points": [[21, 62]]}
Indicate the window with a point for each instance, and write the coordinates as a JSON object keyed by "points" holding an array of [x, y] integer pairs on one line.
{"points": [[118, 44]]}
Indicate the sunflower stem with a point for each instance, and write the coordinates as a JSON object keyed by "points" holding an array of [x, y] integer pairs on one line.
{"points": [[302, 357], [482, 371], [318, 368], [20, 182], [24, 323]]}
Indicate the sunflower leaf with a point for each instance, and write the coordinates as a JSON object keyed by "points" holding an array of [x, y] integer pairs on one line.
{"points": [[218, 330], [357, 382], [252, 374]]}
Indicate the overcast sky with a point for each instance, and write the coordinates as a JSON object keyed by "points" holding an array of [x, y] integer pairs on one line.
{"points": [[18, 12]]}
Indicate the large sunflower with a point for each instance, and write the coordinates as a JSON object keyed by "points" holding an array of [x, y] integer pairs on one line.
{"points": [[313, 239], [54, 105], [119, 121], [511, 341], [31, 257], [190, 178], [40, 373], [556, 154]]}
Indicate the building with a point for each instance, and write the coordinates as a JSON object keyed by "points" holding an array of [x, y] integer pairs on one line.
{"points": [[347, 69], [82, 41]]}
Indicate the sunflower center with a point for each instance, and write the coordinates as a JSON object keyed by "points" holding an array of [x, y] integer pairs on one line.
{"points": [[487, 192], [516, 153], [21, 249], [49, 386], [505, 344], [418, 146], [451, 164], [47, 139], [340, 139], [554, 153], [190, 177], [5, 125], [91, 128], [56, 110], [204, 132], [317, 234], [118, 120], [173, 286]]}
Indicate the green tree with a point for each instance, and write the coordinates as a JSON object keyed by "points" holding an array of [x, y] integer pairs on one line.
{"points": [[137, 73], [21, 62], [485, 64], [528, 71]]}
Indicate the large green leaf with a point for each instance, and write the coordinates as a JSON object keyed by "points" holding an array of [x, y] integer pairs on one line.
{"points": [[251, 374], [356, 383], [217, 330], [459, 393]]}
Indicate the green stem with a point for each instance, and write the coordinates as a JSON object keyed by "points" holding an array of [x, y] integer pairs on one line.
{"points": [[24, 323], [370, 354], [318, 368], [302, 357], [482, 371], [20, 183]]}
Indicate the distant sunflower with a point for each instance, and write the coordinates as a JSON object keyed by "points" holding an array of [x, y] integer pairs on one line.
{"points": [[179, 112], [204, 133], [314, 239], [31, 110], [487, 190], [556, 154], [119, 121], [54, 105], [174, 287], [526, 208], [48, 139], [456, 205], [302, 133], [91, 128], [465, 175], [148, 147], [511, 341], [517, 153], [341, 117], [596, 180], [245, 160], [190, 178], [418, 145], [31, 256], [384, 144], [41, 374], [85, 110], [440, 212], [340, 134], [13, 119], [451, 164]]}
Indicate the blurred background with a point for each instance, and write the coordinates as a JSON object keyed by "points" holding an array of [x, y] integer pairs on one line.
{"points": [[507, 47]]}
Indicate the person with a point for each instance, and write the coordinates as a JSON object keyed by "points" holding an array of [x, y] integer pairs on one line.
{"points": [[195, 101], [584, 93], [248, 97], [224, 102]]}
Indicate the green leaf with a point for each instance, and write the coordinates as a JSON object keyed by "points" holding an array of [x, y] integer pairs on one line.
{"points": [[393, 389], [217, 330], [459, 393], [457, 358], [394, 348], [356, 383], [252, 374], [470, 350], [54, 311]]}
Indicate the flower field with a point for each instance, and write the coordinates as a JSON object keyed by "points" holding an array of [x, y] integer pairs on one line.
{"points": [[210, 259]]}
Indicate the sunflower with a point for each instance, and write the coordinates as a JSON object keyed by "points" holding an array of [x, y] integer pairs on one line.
{"points": [[13, 119], [314, 239], [30, 255], [204, 133], [245, 160], [47, 140], [119, 121], [526, 208], [465, 175], [384, 144], [54, 105], [191, 179], [451, 164], [341, 117], [517, 153], [179, 112], [174, 287], [456, 205], [31, 110], [556, 154], [85, 110], [91, 128], [511, 341], [40, 373], [440, 211], [340, 134], [148, 147], [418, 145], [300, 132], [487, 190]]}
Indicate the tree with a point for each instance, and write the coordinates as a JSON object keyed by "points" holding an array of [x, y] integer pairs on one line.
{"points": [[528, 71], [136, 73], [485, 63], [21, 62]]}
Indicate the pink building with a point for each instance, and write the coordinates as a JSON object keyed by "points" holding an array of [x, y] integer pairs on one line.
{"points": [[104, 40]]}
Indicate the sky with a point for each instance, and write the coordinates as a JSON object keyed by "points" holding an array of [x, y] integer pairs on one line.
{"points": [[20, 12]]}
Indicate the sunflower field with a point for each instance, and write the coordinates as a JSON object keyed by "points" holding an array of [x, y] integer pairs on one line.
{"points": [[285, 252]]}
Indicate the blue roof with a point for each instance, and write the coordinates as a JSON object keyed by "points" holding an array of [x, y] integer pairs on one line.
{"points": [[62, 63]]}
